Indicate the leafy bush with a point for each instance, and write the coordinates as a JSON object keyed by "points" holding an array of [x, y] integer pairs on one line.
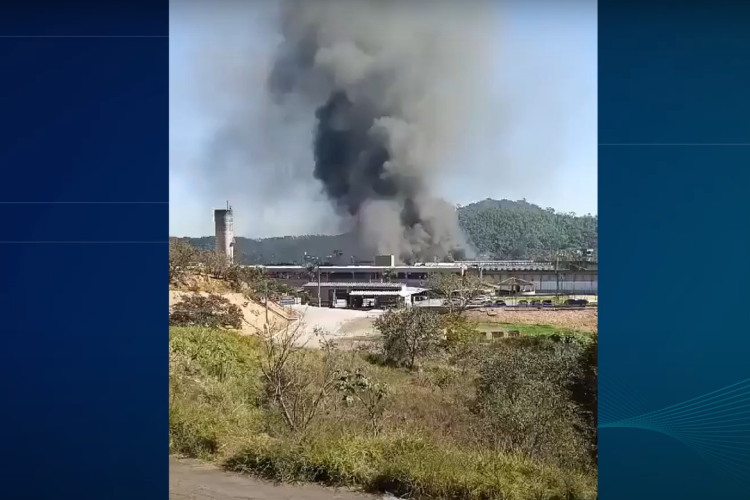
{"points": [[462, 340], [408, 334], [525, 402], [211, 311]]}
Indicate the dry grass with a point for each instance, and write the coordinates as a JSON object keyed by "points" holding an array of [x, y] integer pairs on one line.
{"points": [[581, 321]]}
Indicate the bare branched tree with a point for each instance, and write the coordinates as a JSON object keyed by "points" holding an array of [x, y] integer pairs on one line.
{"points": [[296, 381]]}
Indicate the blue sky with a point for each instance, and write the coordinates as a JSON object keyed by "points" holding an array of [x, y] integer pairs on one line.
{"points": [[546, 152]]}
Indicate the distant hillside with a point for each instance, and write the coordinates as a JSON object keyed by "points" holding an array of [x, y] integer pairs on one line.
{"points": [[507, 229], [499, 229]]}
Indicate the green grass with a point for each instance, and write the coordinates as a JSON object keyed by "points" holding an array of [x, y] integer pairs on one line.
{"points": [[428, 447]]}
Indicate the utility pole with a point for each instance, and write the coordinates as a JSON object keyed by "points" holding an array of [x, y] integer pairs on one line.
{"points": [[313, 261], [266, 305]]}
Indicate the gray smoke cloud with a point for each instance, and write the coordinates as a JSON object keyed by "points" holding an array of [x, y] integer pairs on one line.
{"points": [[394, 86]]}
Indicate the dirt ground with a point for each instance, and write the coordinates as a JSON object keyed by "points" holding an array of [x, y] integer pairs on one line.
{"points": [[192, 480], [584, 320], [338, 324], [335, 323]]}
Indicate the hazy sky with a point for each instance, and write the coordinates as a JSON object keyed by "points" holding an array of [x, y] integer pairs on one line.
{"points": [[543, 147]]}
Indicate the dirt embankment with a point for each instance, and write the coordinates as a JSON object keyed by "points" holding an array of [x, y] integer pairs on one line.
{"points": [[254, 313]]}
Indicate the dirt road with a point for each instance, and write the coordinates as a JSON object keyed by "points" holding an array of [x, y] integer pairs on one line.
{"points": [[191, 480]]}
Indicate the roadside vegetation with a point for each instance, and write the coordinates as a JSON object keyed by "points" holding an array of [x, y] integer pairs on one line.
{"points": [[433, 411]]}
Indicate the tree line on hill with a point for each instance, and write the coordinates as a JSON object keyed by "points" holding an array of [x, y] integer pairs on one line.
{"points": [[497, 229]]}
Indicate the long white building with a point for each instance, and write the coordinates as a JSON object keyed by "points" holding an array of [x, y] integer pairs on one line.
{"points": [[563, 277]]}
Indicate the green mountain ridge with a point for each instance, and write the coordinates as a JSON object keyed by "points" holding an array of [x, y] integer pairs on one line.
{"points": [[497, 229]]}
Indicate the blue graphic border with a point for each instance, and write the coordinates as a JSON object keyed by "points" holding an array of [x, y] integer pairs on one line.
{"points": [[84, 211], [674, 135]]}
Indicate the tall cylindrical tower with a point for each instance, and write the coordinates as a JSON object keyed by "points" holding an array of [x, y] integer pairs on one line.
{"points": [[225, 232]]}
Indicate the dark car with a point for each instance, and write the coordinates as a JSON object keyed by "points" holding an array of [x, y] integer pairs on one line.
{"points": [[577, 302]]}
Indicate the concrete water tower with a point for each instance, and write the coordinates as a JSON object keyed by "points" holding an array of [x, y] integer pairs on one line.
{"points": [[225, 232]]}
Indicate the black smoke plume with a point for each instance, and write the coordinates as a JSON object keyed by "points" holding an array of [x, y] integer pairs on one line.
{"points": [[392, 83]]}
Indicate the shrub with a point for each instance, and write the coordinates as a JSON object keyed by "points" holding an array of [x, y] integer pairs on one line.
{"points": [[585, 391], [462, 340], [408, 334], [212, 311], [358, 387], [525, 402]]}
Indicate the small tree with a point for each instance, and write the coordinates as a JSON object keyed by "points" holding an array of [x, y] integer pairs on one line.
{"points": [[461, 339], [212, 311], [357, 387], [181, 256], [457, 290], [408, 334], [389, 275]]}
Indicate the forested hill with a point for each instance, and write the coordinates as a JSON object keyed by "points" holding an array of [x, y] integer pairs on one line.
{"points": [[498, 229], [517, 229]]}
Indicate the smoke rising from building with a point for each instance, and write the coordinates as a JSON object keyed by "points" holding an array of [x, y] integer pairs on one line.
{"points": [[461, 100], [394, 85]]}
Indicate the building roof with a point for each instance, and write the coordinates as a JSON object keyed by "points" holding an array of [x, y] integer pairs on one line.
{"points": [[353, 284], [368, 268], [487, 265], [403, 292]]}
